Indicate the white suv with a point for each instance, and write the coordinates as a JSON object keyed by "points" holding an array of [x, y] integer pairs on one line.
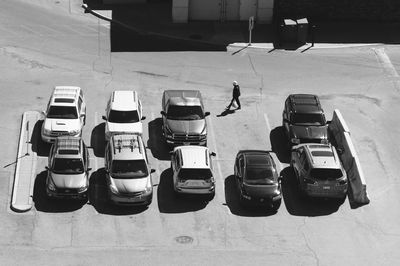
{"points": [[123, 114], [192, 170], [127, 170], [65, 114]]}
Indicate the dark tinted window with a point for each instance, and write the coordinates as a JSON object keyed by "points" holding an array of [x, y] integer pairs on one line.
{"points": [[322, 153], [67, 166], [200, 174], [63, 112], [177, 112], [129, 169], [325, 174], [123, 116], [312, 119]]}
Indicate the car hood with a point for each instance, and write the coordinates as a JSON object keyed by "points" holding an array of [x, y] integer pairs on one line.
{"points": [[309, 132], [186, 126], [124, 127], [69, 181], [262, 190], [55, 124], [130, 185]]}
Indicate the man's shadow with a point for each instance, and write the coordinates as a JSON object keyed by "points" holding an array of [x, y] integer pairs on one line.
{"points": [[226, 112]]}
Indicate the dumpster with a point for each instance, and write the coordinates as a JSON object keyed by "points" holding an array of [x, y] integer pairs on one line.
{"points": [[288, 31], [302, 30]]}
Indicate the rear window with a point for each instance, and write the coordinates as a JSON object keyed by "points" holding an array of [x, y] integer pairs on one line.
{"points": [[326, 174], [63, 112], [322, 153], [64, 100], [195, 174]]}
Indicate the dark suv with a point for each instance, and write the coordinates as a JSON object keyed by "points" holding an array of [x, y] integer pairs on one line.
{"points": [[304, 120]]}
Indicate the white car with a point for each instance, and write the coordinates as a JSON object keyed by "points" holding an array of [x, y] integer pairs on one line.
{"points": [[123, 114], [127, 170], [65, 114]]}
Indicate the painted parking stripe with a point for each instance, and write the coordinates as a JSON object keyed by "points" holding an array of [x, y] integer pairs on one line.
{"points": [[385, 61]]}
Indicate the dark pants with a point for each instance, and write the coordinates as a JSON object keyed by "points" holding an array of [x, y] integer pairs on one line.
{"points": [[237, 102]]}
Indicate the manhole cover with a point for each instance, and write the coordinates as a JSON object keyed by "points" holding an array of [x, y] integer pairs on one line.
{"points": [[184, 239]]}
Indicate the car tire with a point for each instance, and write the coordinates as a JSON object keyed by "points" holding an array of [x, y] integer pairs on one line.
{"points": [[276, 205]]}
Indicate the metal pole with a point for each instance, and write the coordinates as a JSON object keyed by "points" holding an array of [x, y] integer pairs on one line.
{"points": [[250, 37]]}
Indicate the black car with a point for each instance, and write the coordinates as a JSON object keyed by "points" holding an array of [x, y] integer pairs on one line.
{"points": [[257, 179], [303, 119]]}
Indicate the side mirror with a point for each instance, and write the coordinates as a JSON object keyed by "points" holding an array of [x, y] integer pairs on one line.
{"points": [[143, 118], [339, 151], [280, 178], [152, 171], [206, 113], [171, 152], [329, 121], [106, 170], [89, 169], [213, 154], [47, 168], [163, 113], [104, 117], [83, 115]]}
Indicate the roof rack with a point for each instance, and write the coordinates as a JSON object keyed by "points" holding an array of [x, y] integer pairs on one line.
{"points": [[123, 143]]}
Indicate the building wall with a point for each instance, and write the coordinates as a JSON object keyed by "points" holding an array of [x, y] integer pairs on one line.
{"points": [[366, 10]]}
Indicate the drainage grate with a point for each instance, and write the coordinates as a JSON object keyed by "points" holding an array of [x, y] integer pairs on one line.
{"points": [[184, 239]]}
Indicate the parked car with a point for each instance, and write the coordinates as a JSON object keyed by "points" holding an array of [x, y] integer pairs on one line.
{"points": [[319, 171], [124, 114], [65, 114], [127, 169], [193, 170], [257, 179], [304, 120], [68, 168], [183, 116]]}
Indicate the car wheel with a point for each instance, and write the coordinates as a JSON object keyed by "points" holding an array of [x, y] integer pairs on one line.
{"points": [[276, 205]]}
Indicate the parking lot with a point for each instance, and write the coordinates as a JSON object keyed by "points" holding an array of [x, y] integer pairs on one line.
{"points": [[362, 82]]}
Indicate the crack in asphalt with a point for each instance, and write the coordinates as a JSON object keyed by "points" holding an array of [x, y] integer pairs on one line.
{"points": [[20, 59], [314, 254], [372, 100]]}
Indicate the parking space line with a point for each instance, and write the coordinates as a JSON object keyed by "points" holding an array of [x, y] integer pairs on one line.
{"points": [[384, 59]]}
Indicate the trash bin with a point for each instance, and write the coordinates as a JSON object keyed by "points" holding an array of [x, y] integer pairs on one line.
{"points": [[302, 30], [288, 31]]}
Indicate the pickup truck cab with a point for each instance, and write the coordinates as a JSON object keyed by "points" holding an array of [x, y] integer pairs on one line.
{"points": [[183, 117]]}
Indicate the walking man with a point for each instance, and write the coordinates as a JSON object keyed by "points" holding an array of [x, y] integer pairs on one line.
{"points": [[235, 96]]}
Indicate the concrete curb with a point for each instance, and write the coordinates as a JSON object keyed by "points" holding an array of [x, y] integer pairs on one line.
{"points": [[22, 195]]}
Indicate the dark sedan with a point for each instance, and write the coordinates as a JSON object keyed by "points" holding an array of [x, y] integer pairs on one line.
{"points": [[257, 179]]}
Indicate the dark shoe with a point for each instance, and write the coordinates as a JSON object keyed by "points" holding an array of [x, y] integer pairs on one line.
{"points": [[238, 108]]}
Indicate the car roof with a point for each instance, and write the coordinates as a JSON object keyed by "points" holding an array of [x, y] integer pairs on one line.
{"points": [[68, 147], [127, 147], [183, 97], [194, 156], [322, 155], [305, 103], [257, 158], [124, 100], [65, 95]]}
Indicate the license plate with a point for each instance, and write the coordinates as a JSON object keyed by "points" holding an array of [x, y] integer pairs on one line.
{"points": [[326, 187]]}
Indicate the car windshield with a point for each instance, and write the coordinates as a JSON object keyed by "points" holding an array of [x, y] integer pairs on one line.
{"points": [[260, 175], [63, 112], [325, 174], [177, 112], [68, 166], [123, 116], [308, 119], [195, 174], [129, 169]]}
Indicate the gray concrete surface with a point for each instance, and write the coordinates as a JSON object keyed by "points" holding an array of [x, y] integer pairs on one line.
{"points": [[44, 45]]}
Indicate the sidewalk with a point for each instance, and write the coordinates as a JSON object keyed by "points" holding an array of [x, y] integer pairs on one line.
{"points": [[155, 19]]}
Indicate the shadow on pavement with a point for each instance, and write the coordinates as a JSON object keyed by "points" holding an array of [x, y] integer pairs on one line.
{"points": [[44, 204], [226, 112], [299, 205], [279, 144], [234, 205], [97, 140], [38, 145], [156, 142], [169, 202], [99, 199]]}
